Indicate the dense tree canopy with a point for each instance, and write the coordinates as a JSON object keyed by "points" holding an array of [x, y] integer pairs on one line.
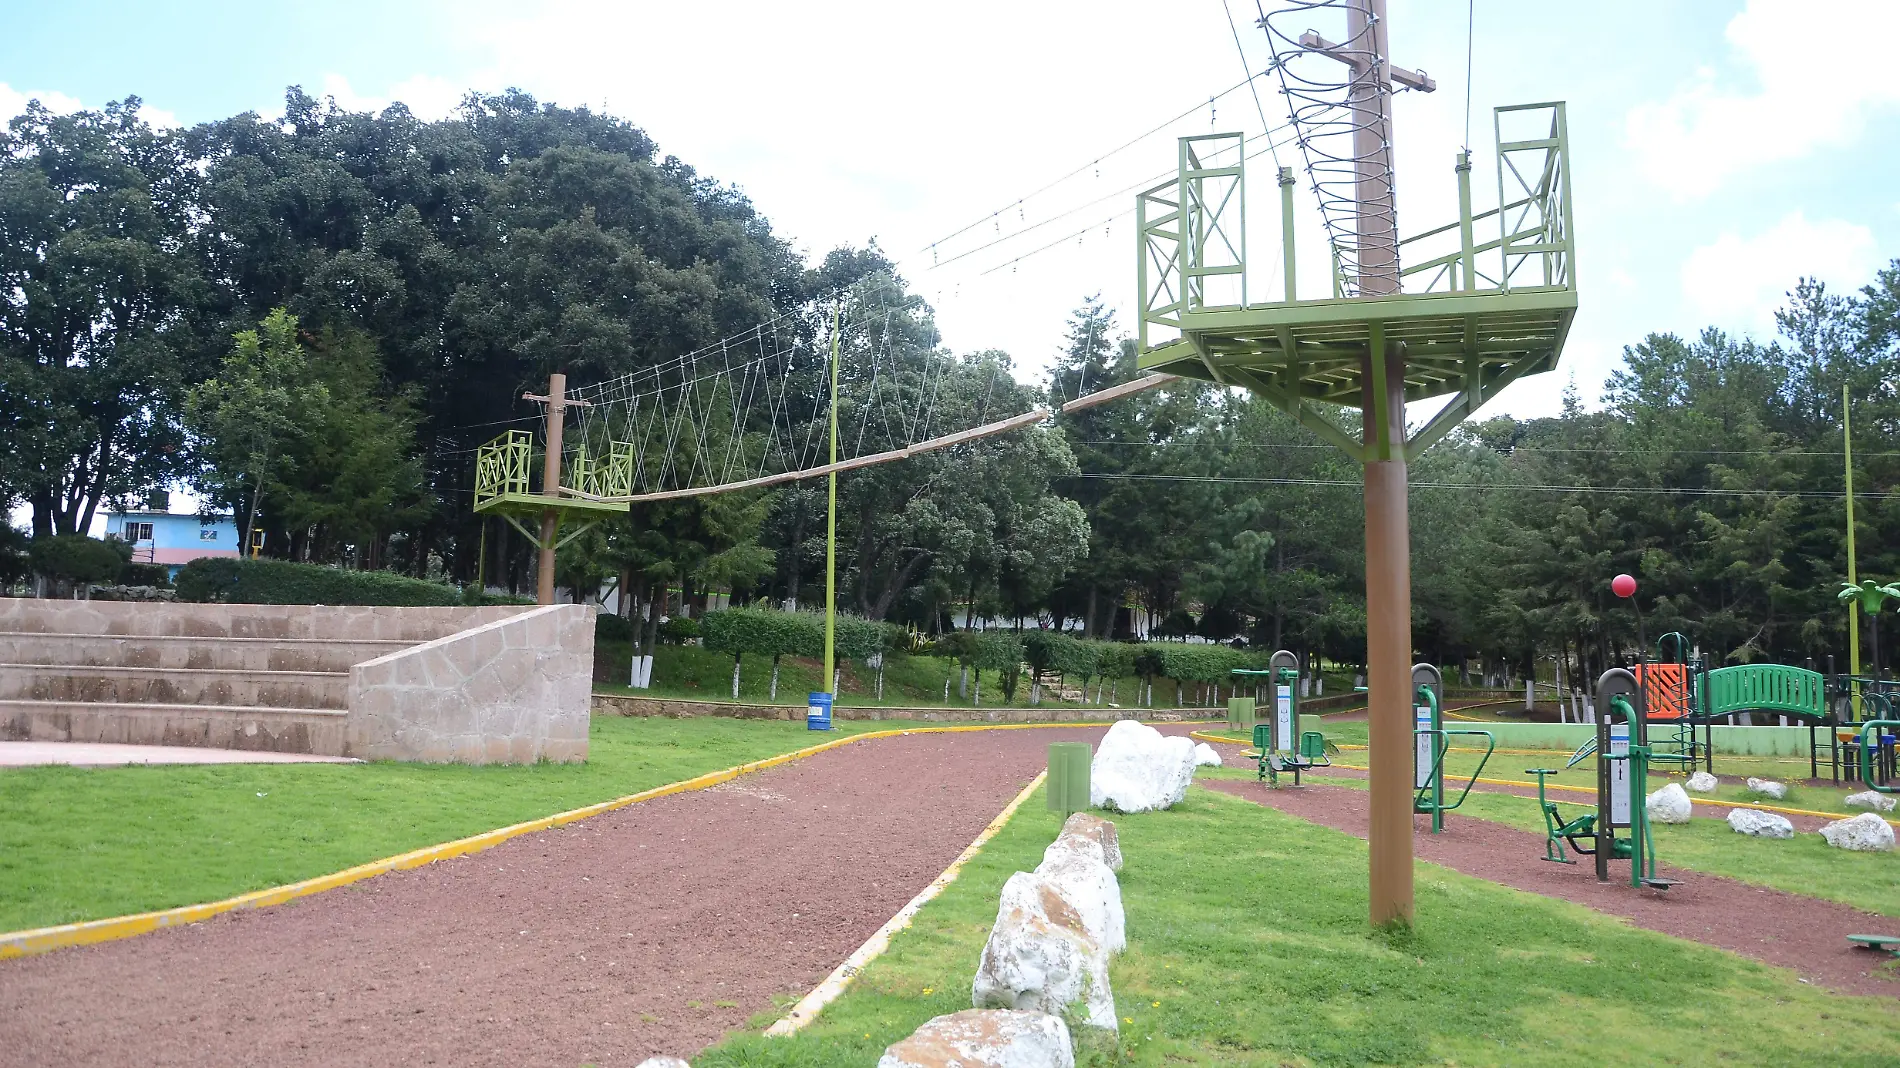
{"points": [[315, 320]]}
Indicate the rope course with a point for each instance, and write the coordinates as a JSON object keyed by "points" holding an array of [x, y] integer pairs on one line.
{"points": [[751, 410]]}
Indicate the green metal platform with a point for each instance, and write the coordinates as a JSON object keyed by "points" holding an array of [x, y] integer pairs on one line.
{"points": [[1484, 314]]}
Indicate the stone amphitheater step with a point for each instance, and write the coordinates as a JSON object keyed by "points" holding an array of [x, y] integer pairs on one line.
{"points": [[117, 685], [190, 651], [278, 730]]}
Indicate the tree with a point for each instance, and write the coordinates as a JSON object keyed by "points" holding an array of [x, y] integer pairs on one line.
{"points": [[101, 304]]}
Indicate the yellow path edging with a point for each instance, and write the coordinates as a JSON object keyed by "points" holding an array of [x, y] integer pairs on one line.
{"points": [[45, 939], [1710, 801], [826, 992]]}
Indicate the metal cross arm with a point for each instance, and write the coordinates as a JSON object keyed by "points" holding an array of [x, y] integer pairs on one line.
{"points": [[1410, 79], [565, 402]]}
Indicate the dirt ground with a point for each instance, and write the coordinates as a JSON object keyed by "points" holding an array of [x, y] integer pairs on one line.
{"points": [[1805, 934], [653, 929]]}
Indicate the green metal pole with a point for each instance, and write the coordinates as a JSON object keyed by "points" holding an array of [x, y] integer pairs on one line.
{"points": [[1286, 231], [1467, 258], [831, 520], [1853, 606]]}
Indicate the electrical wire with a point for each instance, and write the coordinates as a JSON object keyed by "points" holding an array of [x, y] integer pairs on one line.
{"points": [[1468, 486], [1130, 143]]}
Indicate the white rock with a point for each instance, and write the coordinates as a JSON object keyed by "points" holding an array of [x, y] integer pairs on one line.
{"points": [[985, 1038], [1768, 788], [1085, 829], [1670, 805], [1759, 824], [1702, 783], [1084, 881], [1138, 769], [663, 1062], [1205, 756], [1866, 833], [1039, 957], [1870, 800]]}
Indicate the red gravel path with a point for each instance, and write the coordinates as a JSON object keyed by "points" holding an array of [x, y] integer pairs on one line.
{"points": [[1801, 933], [654, 929]]}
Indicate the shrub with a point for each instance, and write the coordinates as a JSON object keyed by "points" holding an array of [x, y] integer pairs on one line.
{"points": [[76, 558], [679, 630], [146, 575], [612, 628], [238, 581]]}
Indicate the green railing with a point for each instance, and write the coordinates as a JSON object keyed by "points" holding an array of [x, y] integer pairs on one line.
{"points": [[1766, 688], [501, 466]]}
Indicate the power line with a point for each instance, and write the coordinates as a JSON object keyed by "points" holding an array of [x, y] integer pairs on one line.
{"points": [[1018, 202], [1468, 486], [1251, 87], [1501, 452]]}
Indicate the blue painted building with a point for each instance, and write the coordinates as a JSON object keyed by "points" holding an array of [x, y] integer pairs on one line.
{"points": [[173, 540]]}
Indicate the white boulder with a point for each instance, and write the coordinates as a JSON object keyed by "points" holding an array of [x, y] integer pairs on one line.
{"points": [[1768, 788], [1139, 769], [985, 1038], [1085, 830], [1759, 824], [1702, 783], [1870, 800], [1205, 756], [1865, 833], [1670, 805], [1040, 958], [663, 1062], [1078, 874]]}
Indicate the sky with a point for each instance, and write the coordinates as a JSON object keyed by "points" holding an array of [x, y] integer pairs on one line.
{"points": [[1721, 149]]}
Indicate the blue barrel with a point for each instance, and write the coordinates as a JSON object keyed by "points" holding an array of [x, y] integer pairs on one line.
{"points": [[818, 712]]}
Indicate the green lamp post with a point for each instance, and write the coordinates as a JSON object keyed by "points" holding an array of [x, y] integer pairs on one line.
{"points": [[1871, 599]]}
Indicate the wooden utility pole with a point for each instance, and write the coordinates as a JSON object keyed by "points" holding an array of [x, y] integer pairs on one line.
{"points": [[557, 403], [1388, 536]]}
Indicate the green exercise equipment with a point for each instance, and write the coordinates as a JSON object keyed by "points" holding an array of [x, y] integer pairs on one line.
{"points": [[1623, 758], [1431, 741]]}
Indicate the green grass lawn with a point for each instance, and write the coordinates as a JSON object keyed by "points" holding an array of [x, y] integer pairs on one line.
{"points": [[1805, 864], [1248, 946], [84, 843]]}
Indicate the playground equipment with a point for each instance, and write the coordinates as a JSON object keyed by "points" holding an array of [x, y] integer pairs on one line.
{"points": [[1312, 754], [1431, 741], [1623, 758]]}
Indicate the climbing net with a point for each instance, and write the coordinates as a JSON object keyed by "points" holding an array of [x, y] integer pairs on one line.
{"points": [[1331, 92]]}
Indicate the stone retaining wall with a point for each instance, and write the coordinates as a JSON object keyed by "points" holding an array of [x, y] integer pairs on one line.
{"points": [[513, 691]]}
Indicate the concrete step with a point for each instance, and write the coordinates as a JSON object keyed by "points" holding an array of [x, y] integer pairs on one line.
{"points": [[175, 686], [276, 730], [180, 651]]}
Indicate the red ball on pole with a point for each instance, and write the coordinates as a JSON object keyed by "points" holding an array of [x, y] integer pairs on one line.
{"points": [[1623, 586]]}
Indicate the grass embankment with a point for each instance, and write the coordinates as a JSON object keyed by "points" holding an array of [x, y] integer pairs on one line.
{"points": [[689, 671], [1248, 945], [84, 843], [1805, 864]]}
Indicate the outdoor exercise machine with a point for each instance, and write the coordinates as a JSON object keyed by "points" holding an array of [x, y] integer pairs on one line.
{"points": [[1431, 741], [1623, 757]]}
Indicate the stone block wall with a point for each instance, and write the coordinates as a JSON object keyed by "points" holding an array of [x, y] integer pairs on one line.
{"points": [[683, 708], [514, 690]]}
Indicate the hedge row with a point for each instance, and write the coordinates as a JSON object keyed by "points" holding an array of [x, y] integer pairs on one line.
{"points": [[773, 633], [238, 581]]}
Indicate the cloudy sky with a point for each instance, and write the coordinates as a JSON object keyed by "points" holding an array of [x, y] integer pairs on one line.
{"points": [[1722, 148]]}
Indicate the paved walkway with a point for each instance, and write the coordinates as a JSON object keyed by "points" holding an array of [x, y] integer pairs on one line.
{"points": [[106, 754]]}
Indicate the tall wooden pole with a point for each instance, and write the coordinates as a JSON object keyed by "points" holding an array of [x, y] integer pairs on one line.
{"points": [[1388, 536], [551, 487]]}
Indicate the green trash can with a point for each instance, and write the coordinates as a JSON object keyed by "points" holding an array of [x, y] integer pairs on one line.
{"points": [[1068, 785]]}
